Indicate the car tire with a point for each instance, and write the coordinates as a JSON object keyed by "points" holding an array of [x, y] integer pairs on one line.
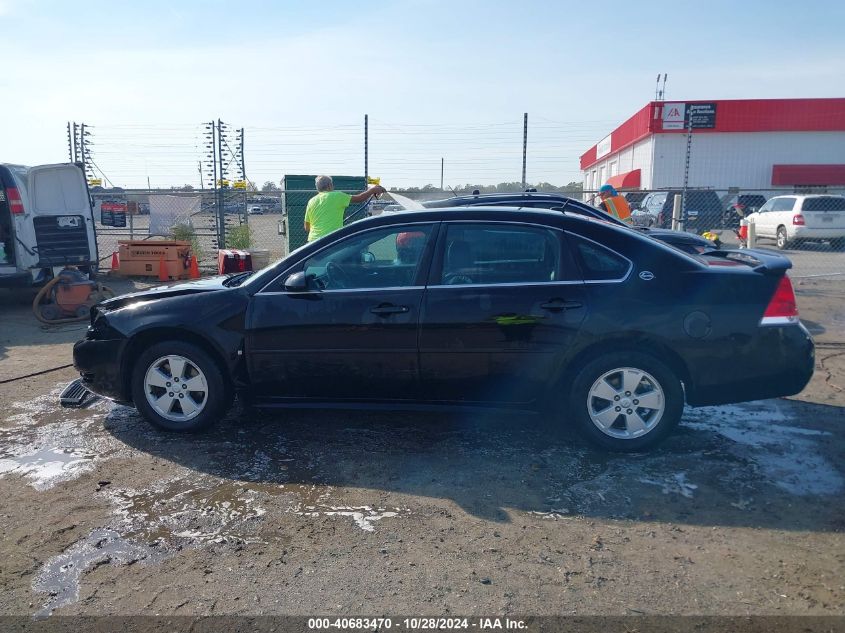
{"points": [[200, 395], [838, 243], [782, 238], [621, 422]]}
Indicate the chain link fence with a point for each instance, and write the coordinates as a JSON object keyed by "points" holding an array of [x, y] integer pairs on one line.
{"points": [[808, 227]]}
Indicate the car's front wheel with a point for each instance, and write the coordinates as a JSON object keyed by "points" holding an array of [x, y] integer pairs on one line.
{"points": [[626, 401], [177, 386]]}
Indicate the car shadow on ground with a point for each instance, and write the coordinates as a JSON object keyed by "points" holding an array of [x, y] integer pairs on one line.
{"points": [[770, 464]]}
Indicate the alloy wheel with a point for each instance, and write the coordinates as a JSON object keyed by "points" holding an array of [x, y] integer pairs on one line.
{"points": [[176, 388], [626, 403]]}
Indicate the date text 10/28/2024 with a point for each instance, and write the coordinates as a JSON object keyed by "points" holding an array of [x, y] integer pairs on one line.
{"points": [[416, 624]]}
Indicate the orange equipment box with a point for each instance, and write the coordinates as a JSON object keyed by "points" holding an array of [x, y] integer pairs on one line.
{"points": [[144, 258]]}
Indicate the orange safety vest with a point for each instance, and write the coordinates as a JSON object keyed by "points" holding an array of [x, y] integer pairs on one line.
{"points": [[618, 207]]}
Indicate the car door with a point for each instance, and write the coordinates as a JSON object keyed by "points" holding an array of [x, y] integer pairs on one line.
{"points": [[780, 215], [352, 333], [762, 220], [502, 304]]}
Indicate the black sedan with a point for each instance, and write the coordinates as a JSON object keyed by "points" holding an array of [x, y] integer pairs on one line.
{"points": [[507, 308], [689, 242]]}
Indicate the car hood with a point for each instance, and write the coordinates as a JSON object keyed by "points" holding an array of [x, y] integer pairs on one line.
{"points": [[163, 292]]}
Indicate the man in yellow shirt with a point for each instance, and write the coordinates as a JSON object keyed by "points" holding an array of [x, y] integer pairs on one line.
{"points": [[324, 213]]}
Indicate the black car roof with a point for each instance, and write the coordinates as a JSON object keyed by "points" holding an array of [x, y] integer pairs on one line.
{"points": [[466, 213]]}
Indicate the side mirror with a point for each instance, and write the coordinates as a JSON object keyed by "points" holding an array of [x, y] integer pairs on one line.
{"points": [[296, 283]]}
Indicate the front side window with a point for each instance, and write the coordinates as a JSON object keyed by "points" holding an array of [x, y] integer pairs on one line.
{"points": [[499, 254], [385, 258]]}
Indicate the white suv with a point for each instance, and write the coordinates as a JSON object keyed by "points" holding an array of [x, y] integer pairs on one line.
{"points": [[796, 218]]}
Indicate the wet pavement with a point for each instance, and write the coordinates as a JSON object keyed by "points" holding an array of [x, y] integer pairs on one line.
{"points": [[258, 482]]}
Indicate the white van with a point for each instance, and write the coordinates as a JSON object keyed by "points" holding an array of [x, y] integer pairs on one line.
{"points": [[46, 223]]}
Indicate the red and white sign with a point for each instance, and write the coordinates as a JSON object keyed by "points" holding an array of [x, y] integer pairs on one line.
{"points": [[673, 116]]}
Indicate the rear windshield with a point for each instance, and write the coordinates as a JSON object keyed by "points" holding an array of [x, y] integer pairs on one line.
{"points": [[752, 201], [830, 203]]}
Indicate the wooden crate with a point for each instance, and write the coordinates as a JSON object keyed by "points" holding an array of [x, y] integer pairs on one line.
{"points": [[143, 258]]}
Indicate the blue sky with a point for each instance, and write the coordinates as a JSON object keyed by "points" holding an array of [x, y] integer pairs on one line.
{"points": [[438, 79]]}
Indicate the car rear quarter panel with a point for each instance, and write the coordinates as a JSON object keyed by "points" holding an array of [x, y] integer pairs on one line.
{"points": [[703, 320]]}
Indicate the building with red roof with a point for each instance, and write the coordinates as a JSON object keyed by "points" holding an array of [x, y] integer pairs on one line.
{"points": [[744, 144]]}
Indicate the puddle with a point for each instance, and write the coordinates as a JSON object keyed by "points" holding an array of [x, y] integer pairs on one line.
{"points": [[675, 484], [762, 432], [363, 516], [61, 575], [48, 444], [200, 511], [48, 466]]}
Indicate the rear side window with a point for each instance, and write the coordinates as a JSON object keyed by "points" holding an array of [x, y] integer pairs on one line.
{"points": [[499, 254], [828, 203], [597, 262], [783, 204]]}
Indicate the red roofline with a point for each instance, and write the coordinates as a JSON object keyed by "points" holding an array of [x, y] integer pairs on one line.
{"points": [[734, 115]]}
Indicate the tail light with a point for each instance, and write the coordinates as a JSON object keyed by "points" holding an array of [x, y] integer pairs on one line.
{"points": [[782, 308], [14, 198], [798, 220]]}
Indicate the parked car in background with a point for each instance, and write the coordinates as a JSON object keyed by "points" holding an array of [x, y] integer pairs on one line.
{"points": [[635, 198], [739, 205], [46, 222], [687, 242], [256, 211], [703, 209], [642, 217], [790, 220], [457, 308]]}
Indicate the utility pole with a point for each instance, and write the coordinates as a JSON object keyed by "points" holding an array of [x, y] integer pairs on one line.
{"points": [[686, 167], [69, 143], [221, 211], [75, 143], [366, 150], [243, 167], [524, 145], [442, 163]]}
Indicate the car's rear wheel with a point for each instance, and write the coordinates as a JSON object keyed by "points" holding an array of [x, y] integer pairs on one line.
{"points": [[177, 386], [782, 238], [626, 401]]}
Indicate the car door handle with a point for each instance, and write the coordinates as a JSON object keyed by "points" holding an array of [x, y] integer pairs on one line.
{"points": [[556, 305], [386, 309]]}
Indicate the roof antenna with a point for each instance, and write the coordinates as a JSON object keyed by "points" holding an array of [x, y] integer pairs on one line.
{"points": [[660, 92]]}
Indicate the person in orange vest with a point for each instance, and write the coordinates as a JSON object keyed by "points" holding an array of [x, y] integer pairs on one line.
{"points": [[614, 204]]}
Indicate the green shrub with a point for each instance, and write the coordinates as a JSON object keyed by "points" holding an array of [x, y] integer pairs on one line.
{"points": [[239, 237], [186, 233]]}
